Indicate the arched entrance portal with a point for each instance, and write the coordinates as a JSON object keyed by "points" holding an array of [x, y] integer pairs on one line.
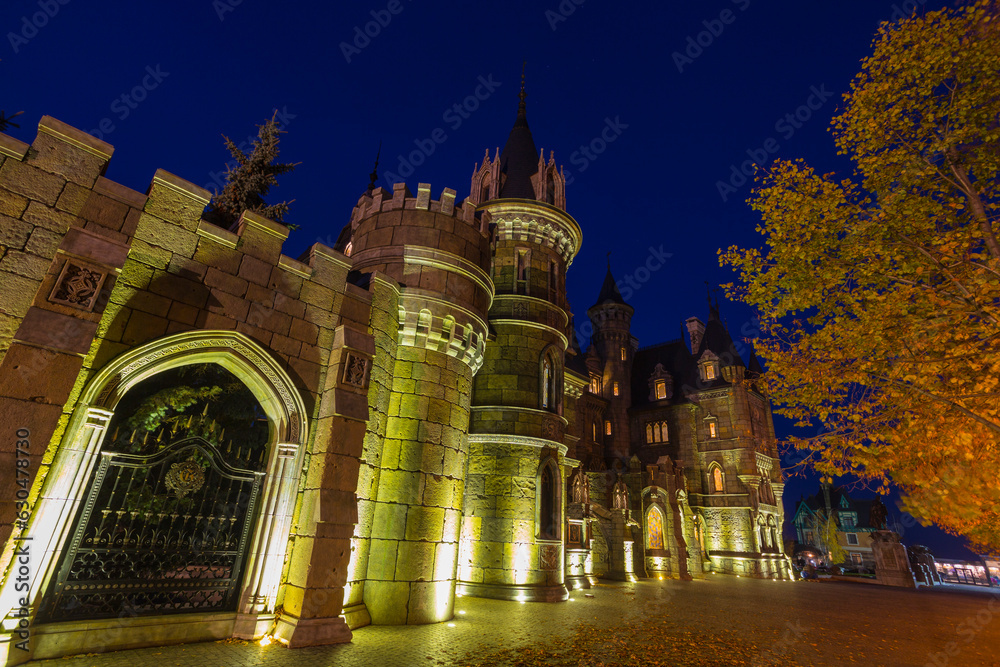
{"points": [[165, 524], [258, 476]]}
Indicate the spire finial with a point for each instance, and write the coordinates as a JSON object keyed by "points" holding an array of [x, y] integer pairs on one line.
{"points": [[522, 95], [372, 177]]}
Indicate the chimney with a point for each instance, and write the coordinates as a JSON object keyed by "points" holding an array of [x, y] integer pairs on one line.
{"points": [[696, 329]]}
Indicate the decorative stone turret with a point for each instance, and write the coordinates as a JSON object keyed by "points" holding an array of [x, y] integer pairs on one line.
{"points": [[512, 533]]}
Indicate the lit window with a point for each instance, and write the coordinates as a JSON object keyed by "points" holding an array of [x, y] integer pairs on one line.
{"points": [[348, 248], [712, 430], [856, 559], [654, 529], [607, 427], [623, 354], [710, 372], [616, 388], [852, 539], [595, 384], [661, 390], [656, 432], [594, 425], [717, 484]]}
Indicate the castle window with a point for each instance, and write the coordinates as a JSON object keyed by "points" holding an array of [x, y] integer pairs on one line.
{"points": [[654, 528], [763, 537], [348, 248], [616, 388], [718, 482], [710, 372], [624, 355], [852, 539], [595, 384], [656, 432], [594, 425], [523, 258], [661, 390], [713, 429], [607, 427], [549, 397], [484, 194], [553, 281], [548, 502]]}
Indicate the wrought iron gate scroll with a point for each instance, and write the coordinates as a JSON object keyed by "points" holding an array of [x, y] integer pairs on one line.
{"points": [[158, 534]]}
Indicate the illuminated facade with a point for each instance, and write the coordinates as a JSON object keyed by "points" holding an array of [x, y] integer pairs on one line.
{"points": [[220, 440]]}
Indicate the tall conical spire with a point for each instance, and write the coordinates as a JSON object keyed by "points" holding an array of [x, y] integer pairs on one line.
{"points": [[519, 158], [609, 290]]}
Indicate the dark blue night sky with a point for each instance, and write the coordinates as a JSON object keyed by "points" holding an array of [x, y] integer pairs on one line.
{"points": [[652, 108]]}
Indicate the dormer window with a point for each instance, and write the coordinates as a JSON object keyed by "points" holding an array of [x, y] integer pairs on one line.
{"points": [[713, 426], [661, 384], [708, 366]]}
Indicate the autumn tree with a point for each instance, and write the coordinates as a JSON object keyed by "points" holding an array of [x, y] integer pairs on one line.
{"points": [[879, 295], [250, 179], [826, 534]]}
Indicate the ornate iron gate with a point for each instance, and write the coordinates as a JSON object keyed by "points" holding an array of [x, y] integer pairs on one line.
{"points": [[159, 534]]}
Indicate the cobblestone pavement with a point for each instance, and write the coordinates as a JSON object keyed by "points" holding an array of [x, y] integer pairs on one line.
{"points": [[721, 621]]}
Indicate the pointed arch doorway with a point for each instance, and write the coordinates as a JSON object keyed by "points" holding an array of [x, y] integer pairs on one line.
{"points": [[195, 506]]}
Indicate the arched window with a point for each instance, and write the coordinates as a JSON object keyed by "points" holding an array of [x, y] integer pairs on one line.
{"points": [[578, 491], [654, 528], [550, 187], [619, 496], [649, 433], [548, 502], [546, 382], [763, 536], [484, 188], [656, 432], [718, 482], [549, 383]]}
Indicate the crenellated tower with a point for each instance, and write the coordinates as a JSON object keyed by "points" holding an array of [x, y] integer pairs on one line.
{"points": [[512, 532], [430, 262], [613, 347]]}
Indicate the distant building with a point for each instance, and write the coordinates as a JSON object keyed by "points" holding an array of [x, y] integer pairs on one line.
{"points": [[853, 527]]}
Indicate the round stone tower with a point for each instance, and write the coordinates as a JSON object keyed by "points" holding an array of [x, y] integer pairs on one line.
{"points": [[439, 256], [615, 345], [512, 531]]}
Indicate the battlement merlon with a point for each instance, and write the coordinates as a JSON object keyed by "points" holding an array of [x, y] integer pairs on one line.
{"points": [[80, 159], [380, 201]]}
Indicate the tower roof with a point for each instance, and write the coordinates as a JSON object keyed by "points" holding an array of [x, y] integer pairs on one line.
{"points": [[609, 291], [519, 158]]}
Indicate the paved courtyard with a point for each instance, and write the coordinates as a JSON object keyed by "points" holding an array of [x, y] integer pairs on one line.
{"points": [[720, 621]]}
